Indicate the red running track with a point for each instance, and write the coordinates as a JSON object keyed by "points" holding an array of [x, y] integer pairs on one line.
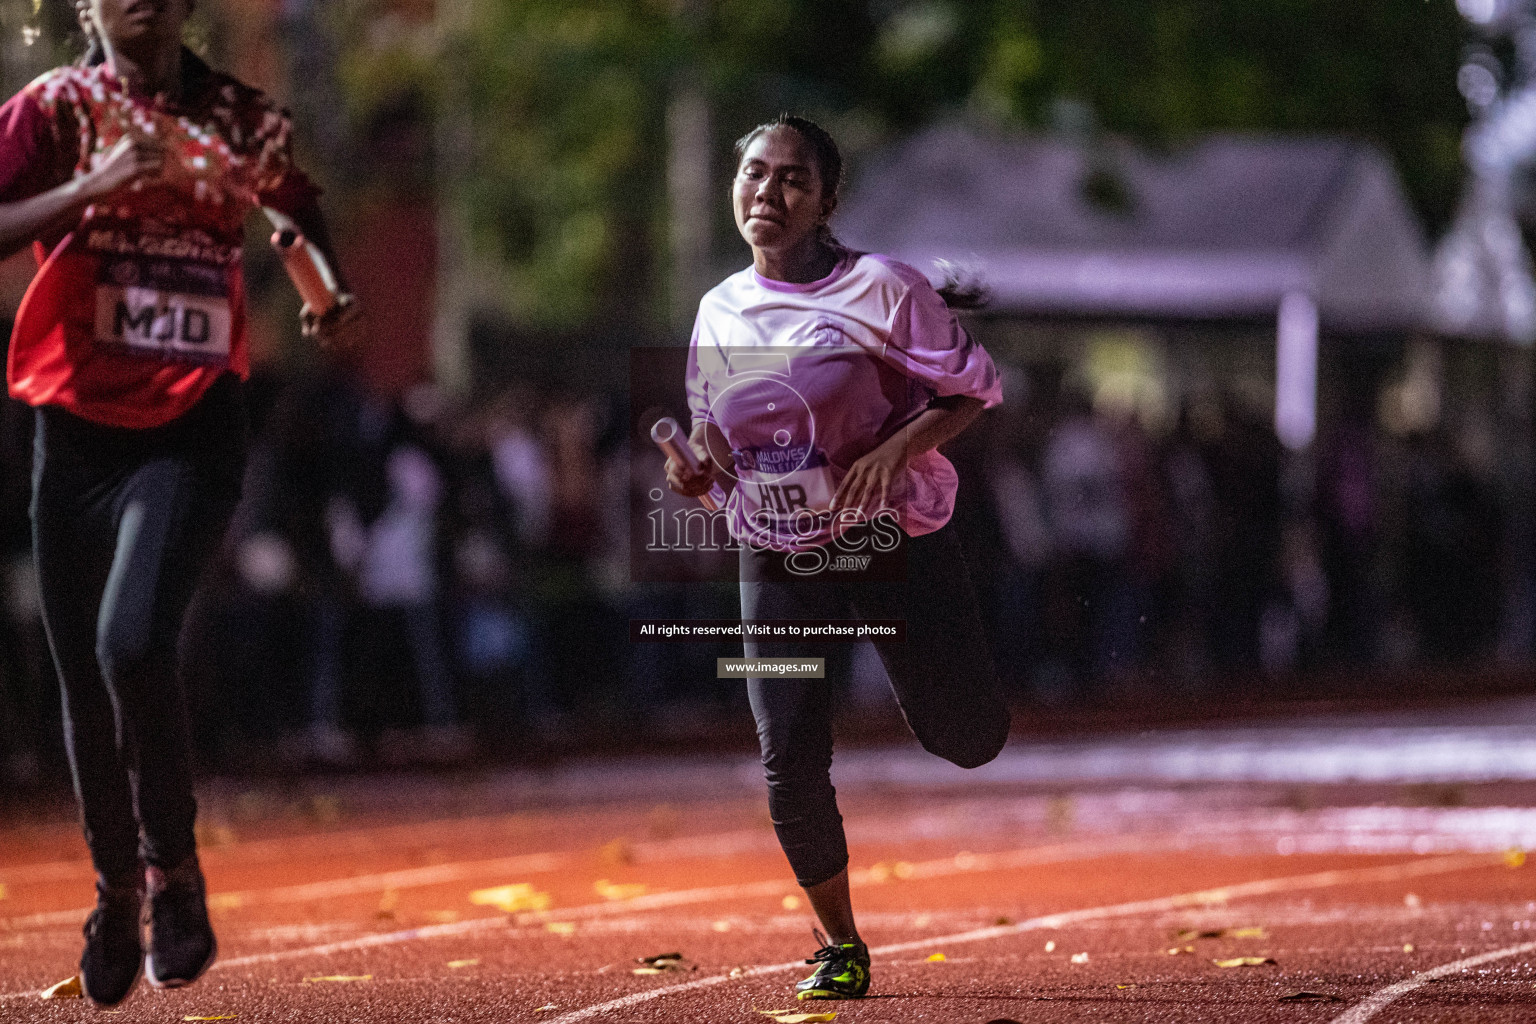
{"points": [[353, 901]]}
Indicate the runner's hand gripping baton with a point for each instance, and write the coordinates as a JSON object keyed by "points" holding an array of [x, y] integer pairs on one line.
{"points": [[306, 266], [666, 433]]}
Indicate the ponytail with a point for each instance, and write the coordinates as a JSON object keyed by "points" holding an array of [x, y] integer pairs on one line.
{"points": [[961, 287]]}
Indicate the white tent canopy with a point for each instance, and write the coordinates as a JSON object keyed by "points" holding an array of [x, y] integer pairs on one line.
{"points": [[1226, 227]]}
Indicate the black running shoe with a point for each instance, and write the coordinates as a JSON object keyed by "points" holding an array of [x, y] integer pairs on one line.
{"points": [[114, 943], [181, 942], [842, 971]]}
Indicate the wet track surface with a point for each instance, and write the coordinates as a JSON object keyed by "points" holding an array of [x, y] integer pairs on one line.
{"points": [[1098, 880]]}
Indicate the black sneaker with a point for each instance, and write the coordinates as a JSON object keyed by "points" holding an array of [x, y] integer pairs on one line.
{"points": [[842, 971], [181, 942], [113, 956]]}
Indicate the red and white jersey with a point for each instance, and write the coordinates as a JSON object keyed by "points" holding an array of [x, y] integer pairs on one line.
{"points": [[140, 305], [804, 379]]}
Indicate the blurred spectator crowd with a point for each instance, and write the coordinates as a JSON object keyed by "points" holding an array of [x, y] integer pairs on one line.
{"points": [[419, 582]]}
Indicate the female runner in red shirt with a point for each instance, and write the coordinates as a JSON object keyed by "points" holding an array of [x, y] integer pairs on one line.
{"points": [[132, 173]]}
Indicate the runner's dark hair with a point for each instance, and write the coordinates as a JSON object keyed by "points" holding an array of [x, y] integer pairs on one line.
{"points": [[961, 289]]}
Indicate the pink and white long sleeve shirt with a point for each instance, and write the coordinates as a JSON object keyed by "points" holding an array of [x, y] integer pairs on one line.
{"points": [[804, 379]]}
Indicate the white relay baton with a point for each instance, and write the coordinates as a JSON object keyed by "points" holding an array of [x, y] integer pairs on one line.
{"points": [[667, 435]]}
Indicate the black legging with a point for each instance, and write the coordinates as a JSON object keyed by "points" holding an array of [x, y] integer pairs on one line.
{"points": [[122, 523], [942, 674]]}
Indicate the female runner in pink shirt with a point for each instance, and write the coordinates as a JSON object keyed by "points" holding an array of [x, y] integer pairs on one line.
{"points": [[821, 382]]}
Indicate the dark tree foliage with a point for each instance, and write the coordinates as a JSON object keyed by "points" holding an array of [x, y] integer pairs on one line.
{"points": [[564, 175]]}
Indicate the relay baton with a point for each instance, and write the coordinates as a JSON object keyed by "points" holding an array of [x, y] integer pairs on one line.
{"points": [[306, 265], [307, 269], [666, 434]]}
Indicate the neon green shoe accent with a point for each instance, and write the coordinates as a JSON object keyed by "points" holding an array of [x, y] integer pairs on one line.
{"points": [[842, 972]]}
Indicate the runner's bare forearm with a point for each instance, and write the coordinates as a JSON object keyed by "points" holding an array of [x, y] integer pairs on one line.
{"points": [[711, 438], [27, 219]]}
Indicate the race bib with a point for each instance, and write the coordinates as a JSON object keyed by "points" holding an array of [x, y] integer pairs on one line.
{"points": [[782, 481], [166, 309]]}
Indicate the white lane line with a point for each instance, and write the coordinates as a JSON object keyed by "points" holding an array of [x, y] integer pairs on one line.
{"points": [[1377, 1001], [682, 897], [1264, 887], [373, 839], [437, 874], [923, 869], [436, 931], [721, 845], [656, 901], [409, 878]]}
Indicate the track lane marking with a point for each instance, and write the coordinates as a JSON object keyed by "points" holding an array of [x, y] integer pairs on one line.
{"points": [[1264, 887], [371, 838], [720, 845], [407, 878], [654, 901], [925, 869], [681, 897], [1381, 999]]}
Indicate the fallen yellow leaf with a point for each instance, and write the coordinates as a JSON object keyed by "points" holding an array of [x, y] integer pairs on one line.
{"points": [[1515, 858], [1125, 986], [616, 852], [511, 899], [69, 988], [544, 1009], [1247, 933], [338, 977], [1245, 961], [561, 927], [937, 957], [616, 891], [794, 1017], [471, 962]]}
